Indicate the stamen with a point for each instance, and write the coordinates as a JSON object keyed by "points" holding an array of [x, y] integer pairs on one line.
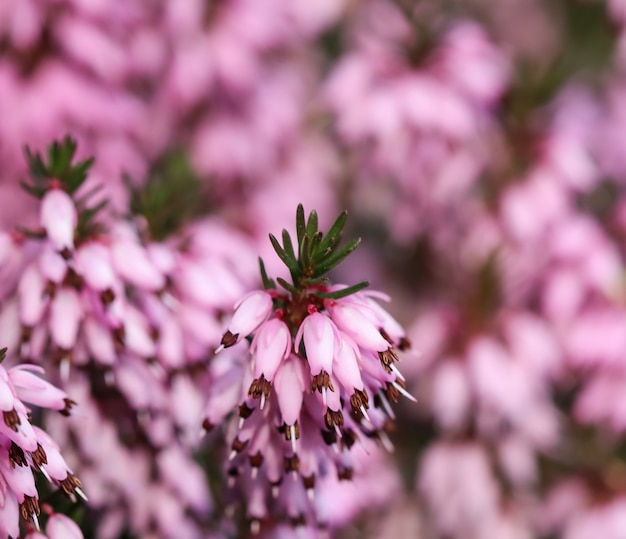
{"points": [[386, 405], [397, 372], [45, 474], [403, 391], [64, 369], [109, 378], [292, 430], [386, 441], [80, 492]]}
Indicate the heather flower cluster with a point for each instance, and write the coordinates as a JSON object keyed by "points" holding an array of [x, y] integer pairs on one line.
{"points": [[318, 377], [28, 451]]}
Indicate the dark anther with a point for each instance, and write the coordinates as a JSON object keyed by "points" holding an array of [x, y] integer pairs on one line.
{"points": [[329, 436], [291, 464], [320, 381], [229, 339], [245, 411], [11, 419], [69, 403], [16, 456]]}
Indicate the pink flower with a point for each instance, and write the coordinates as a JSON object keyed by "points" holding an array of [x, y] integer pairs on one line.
{"points": [[358, 322], [318, 333], [272, 344], [251, 311], [58, 218], [290, 384], [61, 527], [36, 390]]}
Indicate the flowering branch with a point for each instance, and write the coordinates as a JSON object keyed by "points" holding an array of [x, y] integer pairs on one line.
{"points": [[322, 361]]}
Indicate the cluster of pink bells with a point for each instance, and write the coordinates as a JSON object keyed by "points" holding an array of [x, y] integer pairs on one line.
{"points": [[499, 224]]}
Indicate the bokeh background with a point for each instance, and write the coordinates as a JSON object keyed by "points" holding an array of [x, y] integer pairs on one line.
{"points": [[479, 148]]}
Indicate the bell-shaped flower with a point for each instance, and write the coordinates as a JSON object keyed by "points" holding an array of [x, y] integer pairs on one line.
{"points": [[132, 263], [9, 515], [33, 299], [289, 384], [357, 321], [56, 467], [58, 218], [272, 344], [66, 313], [93, 263], [318, 333], [35, 390], [61, 527], [346, 364], [52, 265], [7, 397], [19, 478], [253, 309]]}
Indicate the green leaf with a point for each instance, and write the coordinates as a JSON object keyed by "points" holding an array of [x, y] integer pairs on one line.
{"points": [[289, 287], [337, 294], [267, 282], [315, 243], [3, 354], [305, 255], [82, 201], [300, 224], [76, 176], [33, 190], [332, 237], [288, 245], [333, 260], [316, 281], [311, 225], [32, 234], [289, 262]]}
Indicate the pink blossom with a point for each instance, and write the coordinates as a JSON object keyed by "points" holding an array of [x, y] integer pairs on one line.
{"points": [[58, 218], [61, 527], [358, 323], [318, 333], [250, 312], [271, 345]]}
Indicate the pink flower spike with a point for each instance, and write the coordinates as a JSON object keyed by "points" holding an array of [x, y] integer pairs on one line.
{"points": [[61, 527], [272, 344], [318, 333], [357, 321], [289, 384], [58, 218]]}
